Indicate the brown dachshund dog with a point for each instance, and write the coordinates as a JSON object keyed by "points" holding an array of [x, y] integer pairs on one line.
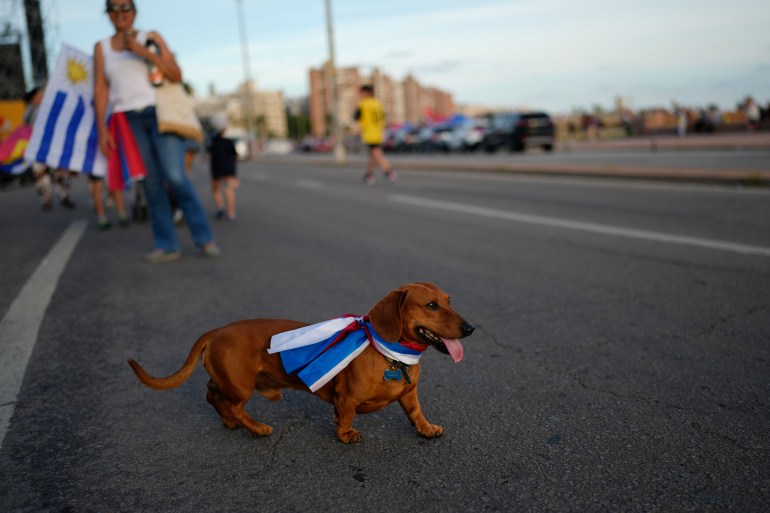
{"points": [[237, 360]]}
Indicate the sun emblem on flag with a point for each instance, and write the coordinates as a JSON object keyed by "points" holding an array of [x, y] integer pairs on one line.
{"points": [[77, 72]]}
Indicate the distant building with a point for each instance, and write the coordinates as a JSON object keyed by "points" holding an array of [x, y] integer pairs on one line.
{"points": [[474, 111], [403, 101], [270, 113], [321, 99], [268, 109]]}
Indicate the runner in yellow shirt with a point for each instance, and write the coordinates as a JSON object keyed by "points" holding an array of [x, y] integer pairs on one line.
{"points": [[371, 123]]}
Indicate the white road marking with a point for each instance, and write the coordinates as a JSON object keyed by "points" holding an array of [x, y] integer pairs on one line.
{"points": [[20, 326], [603, 229]]}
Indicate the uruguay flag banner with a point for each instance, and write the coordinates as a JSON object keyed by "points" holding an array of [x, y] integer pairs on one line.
{"points": [[64, 135], [320, 351]]}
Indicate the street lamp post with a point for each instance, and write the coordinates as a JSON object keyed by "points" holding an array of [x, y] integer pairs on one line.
{"points": [[339, 148], [247, 103]]}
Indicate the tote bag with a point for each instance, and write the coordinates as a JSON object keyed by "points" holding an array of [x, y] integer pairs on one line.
{"points": [[174, 109]]}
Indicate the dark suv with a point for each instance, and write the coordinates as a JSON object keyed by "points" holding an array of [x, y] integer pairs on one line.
{"points": [[518, 130]]}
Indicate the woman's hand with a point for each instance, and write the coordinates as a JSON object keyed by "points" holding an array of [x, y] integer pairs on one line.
{"points": [[165, 61], [128, 42], [106, 143]]}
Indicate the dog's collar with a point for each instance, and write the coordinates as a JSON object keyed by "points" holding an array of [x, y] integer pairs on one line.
{"points": [[397, 367], [414, 346]]}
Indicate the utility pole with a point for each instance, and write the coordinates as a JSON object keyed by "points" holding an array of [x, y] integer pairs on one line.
{"points": [[36, 42], [247, 100], [339, 148]]}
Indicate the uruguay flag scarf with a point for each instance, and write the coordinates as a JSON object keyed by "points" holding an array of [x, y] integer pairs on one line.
{"points": [[320, 351], [125, 162]]}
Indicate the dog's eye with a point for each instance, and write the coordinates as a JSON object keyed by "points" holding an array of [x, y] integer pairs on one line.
{"points": [[432, 306]]}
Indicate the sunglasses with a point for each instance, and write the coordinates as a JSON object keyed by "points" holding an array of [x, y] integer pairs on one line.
{"points": [[112, 8]]}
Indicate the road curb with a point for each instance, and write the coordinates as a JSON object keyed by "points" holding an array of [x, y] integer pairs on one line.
{"points": [[759, 178]]}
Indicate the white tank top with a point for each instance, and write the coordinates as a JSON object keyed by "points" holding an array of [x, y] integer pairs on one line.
{"points": [[127, 74]]}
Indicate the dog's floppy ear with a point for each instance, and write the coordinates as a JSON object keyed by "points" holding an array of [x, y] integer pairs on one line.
{"points": [[385, 316]]}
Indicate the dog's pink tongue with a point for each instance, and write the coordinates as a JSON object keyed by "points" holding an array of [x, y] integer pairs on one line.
{"points": [[454, 347]]}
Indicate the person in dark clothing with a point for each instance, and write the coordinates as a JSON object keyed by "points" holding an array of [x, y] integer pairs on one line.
{"points": [[223, 169]]}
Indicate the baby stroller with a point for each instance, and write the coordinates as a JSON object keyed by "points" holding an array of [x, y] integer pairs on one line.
{"points": [[140, 211]]}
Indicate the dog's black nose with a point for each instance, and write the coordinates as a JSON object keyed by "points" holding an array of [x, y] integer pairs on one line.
{"points": [[467, 328]]}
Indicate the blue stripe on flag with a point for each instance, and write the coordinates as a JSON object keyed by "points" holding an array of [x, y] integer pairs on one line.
{"points": [[296, 359], [50, 125], [124, 165], [72, 129], [92, 146], [328, 360]]}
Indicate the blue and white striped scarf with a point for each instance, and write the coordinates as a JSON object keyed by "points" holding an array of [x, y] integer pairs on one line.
{"points": [[320, 351]]}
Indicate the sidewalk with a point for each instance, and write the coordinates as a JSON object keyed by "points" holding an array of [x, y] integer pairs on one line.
{"points": [[749, 142], [717, 141]]}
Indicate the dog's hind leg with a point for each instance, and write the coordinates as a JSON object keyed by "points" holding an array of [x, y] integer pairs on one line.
{"points": [[254, 427], [222, 405], [233, 413], [231, 386]]}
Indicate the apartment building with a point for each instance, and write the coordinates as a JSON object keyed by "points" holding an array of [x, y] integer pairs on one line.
{"points": [[268, 109], [403, 100]]}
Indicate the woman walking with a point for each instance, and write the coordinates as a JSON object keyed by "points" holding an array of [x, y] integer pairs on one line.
{"points": [[122, 79]]}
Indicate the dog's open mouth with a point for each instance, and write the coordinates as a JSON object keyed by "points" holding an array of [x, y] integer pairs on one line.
{"points": [[450, 346]]}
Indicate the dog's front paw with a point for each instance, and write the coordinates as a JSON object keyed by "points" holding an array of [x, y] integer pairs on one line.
{"points": [[431, 431], [350, 436]]}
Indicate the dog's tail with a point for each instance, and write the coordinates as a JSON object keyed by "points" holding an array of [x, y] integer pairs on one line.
{"points": [[179, 376]]}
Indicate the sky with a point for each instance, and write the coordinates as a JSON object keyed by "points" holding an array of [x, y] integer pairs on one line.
{"points": [[555, 55]]}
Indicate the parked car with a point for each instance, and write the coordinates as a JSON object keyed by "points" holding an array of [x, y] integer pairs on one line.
{"points": [[518, 131], [278, 147], [440, 139], [422, 139], [468, 135], [403, 140], [311, 144], [389, 141], [433, 138]]}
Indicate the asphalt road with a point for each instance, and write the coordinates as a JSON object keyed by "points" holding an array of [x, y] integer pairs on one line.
{"points": [[694, 158], [620, 361], [698, 164]]}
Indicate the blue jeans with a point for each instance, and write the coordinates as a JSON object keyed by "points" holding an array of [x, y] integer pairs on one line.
{"points": [[163, 156]]}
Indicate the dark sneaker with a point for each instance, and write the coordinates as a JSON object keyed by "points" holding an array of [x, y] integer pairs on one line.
{"points": [[123, 221], [158, 255], [210, 250], [220, 214], [68, 203], [103, 225]]}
